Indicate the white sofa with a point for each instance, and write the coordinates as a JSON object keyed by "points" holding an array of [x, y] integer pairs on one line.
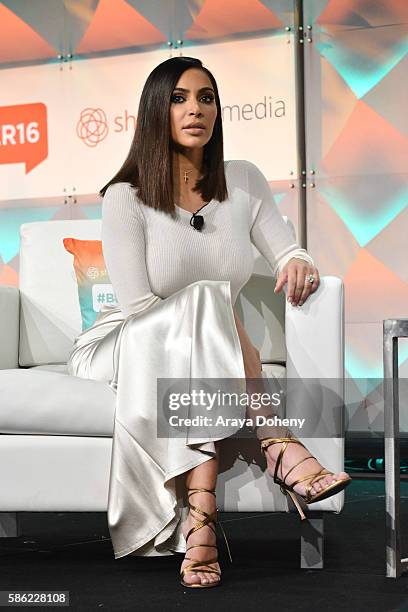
{"points": [[56, 429]]}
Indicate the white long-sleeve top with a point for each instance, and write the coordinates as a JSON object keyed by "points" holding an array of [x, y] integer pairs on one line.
{"points": [[149, 255]]}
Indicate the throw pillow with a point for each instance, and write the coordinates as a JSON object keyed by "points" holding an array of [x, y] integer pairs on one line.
{"points": [[94, 286]]}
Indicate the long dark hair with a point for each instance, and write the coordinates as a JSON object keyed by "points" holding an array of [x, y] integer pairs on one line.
{"points": [[148, 166]]}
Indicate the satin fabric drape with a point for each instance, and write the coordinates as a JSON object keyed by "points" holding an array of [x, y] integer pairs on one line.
{"points": [[190, 334]]}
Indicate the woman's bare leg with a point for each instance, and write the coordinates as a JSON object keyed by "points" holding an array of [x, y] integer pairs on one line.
{"points": [[294, 452], [202, 476]]}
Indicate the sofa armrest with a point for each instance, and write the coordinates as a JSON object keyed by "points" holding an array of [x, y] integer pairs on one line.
{"points": [[9, 326], [314, 335]]}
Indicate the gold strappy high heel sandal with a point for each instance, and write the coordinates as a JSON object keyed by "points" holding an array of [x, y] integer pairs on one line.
{"points": [[331, 489], [203, 566]]}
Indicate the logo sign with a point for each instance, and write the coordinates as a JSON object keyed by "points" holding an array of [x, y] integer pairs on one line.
{"points": [[92, 126], [23, 134], [102, 294]]}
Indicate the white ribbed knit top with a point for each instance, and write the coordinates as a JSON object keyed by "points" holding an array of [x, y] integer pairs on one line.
{"points": [[150, 255]]}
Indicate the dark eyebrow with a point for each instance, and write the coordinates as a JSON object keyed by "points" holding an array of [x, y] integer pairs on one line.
{"points": [[188, 91]]}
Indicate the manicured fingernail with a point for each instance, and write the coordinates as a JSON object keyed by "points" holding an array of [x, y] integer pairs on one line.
{"points": [[289, 300], [300, 303]]}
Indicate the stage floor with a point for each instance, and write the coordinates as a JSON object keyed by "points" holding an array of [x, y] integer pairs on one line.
{"points": [[72, 551]]}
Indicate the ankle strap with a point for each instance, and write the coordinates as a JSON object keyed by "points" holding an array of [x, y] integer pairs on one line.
{"points": [[201, 490], [209, 517]]}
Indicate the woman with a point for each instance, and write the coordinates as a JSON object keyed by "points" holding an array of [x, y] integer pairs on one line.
{"points": [[176, 276]]}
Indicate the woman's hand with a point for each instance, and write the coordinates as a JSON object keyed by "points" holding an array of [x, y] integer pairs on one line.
{"points": [[296, 273]]}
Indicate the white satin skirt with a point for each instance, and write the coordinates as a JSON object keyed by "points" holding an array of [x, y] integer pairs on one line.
{"points": [[190, 334]]}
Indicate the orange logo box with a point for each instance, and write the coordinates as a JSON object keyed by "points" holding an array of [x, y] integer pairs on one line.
{"points": [[23, 134]]}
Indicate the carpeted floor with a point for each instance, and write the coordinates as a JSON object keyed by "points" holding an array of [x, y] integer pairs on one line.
{"points": [[72, 552]]}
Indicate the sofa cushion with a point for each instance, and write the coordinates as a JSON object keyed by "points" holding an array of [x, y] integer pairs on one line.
{"points": [[47, 400], [50, 317]]}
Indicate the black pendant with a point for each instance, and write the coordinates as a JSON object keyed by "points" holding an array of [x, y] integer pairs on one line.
{"points": [[197, 221]]}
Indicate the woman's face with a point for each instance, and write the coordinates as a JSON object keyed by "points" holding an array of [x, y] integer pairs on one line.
{"points": [[192, 101]]}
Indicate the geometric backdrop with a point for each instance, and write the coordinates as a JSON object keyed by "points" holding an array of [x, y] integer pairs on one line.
{"points": [[356, 79]]}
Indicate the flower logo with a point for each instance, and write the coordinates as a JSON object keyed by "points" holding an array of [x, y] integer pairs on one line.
{"points": [[92, 126]]}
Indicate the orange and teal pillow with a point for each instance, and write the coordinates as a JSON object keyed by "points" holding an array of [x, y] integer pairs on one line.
{"points": [[94, 286]]}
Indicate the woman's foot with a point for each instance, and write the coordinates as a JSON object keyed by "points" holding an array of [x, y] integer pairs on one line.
{"points": [[292, 455], [205, 535]]}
